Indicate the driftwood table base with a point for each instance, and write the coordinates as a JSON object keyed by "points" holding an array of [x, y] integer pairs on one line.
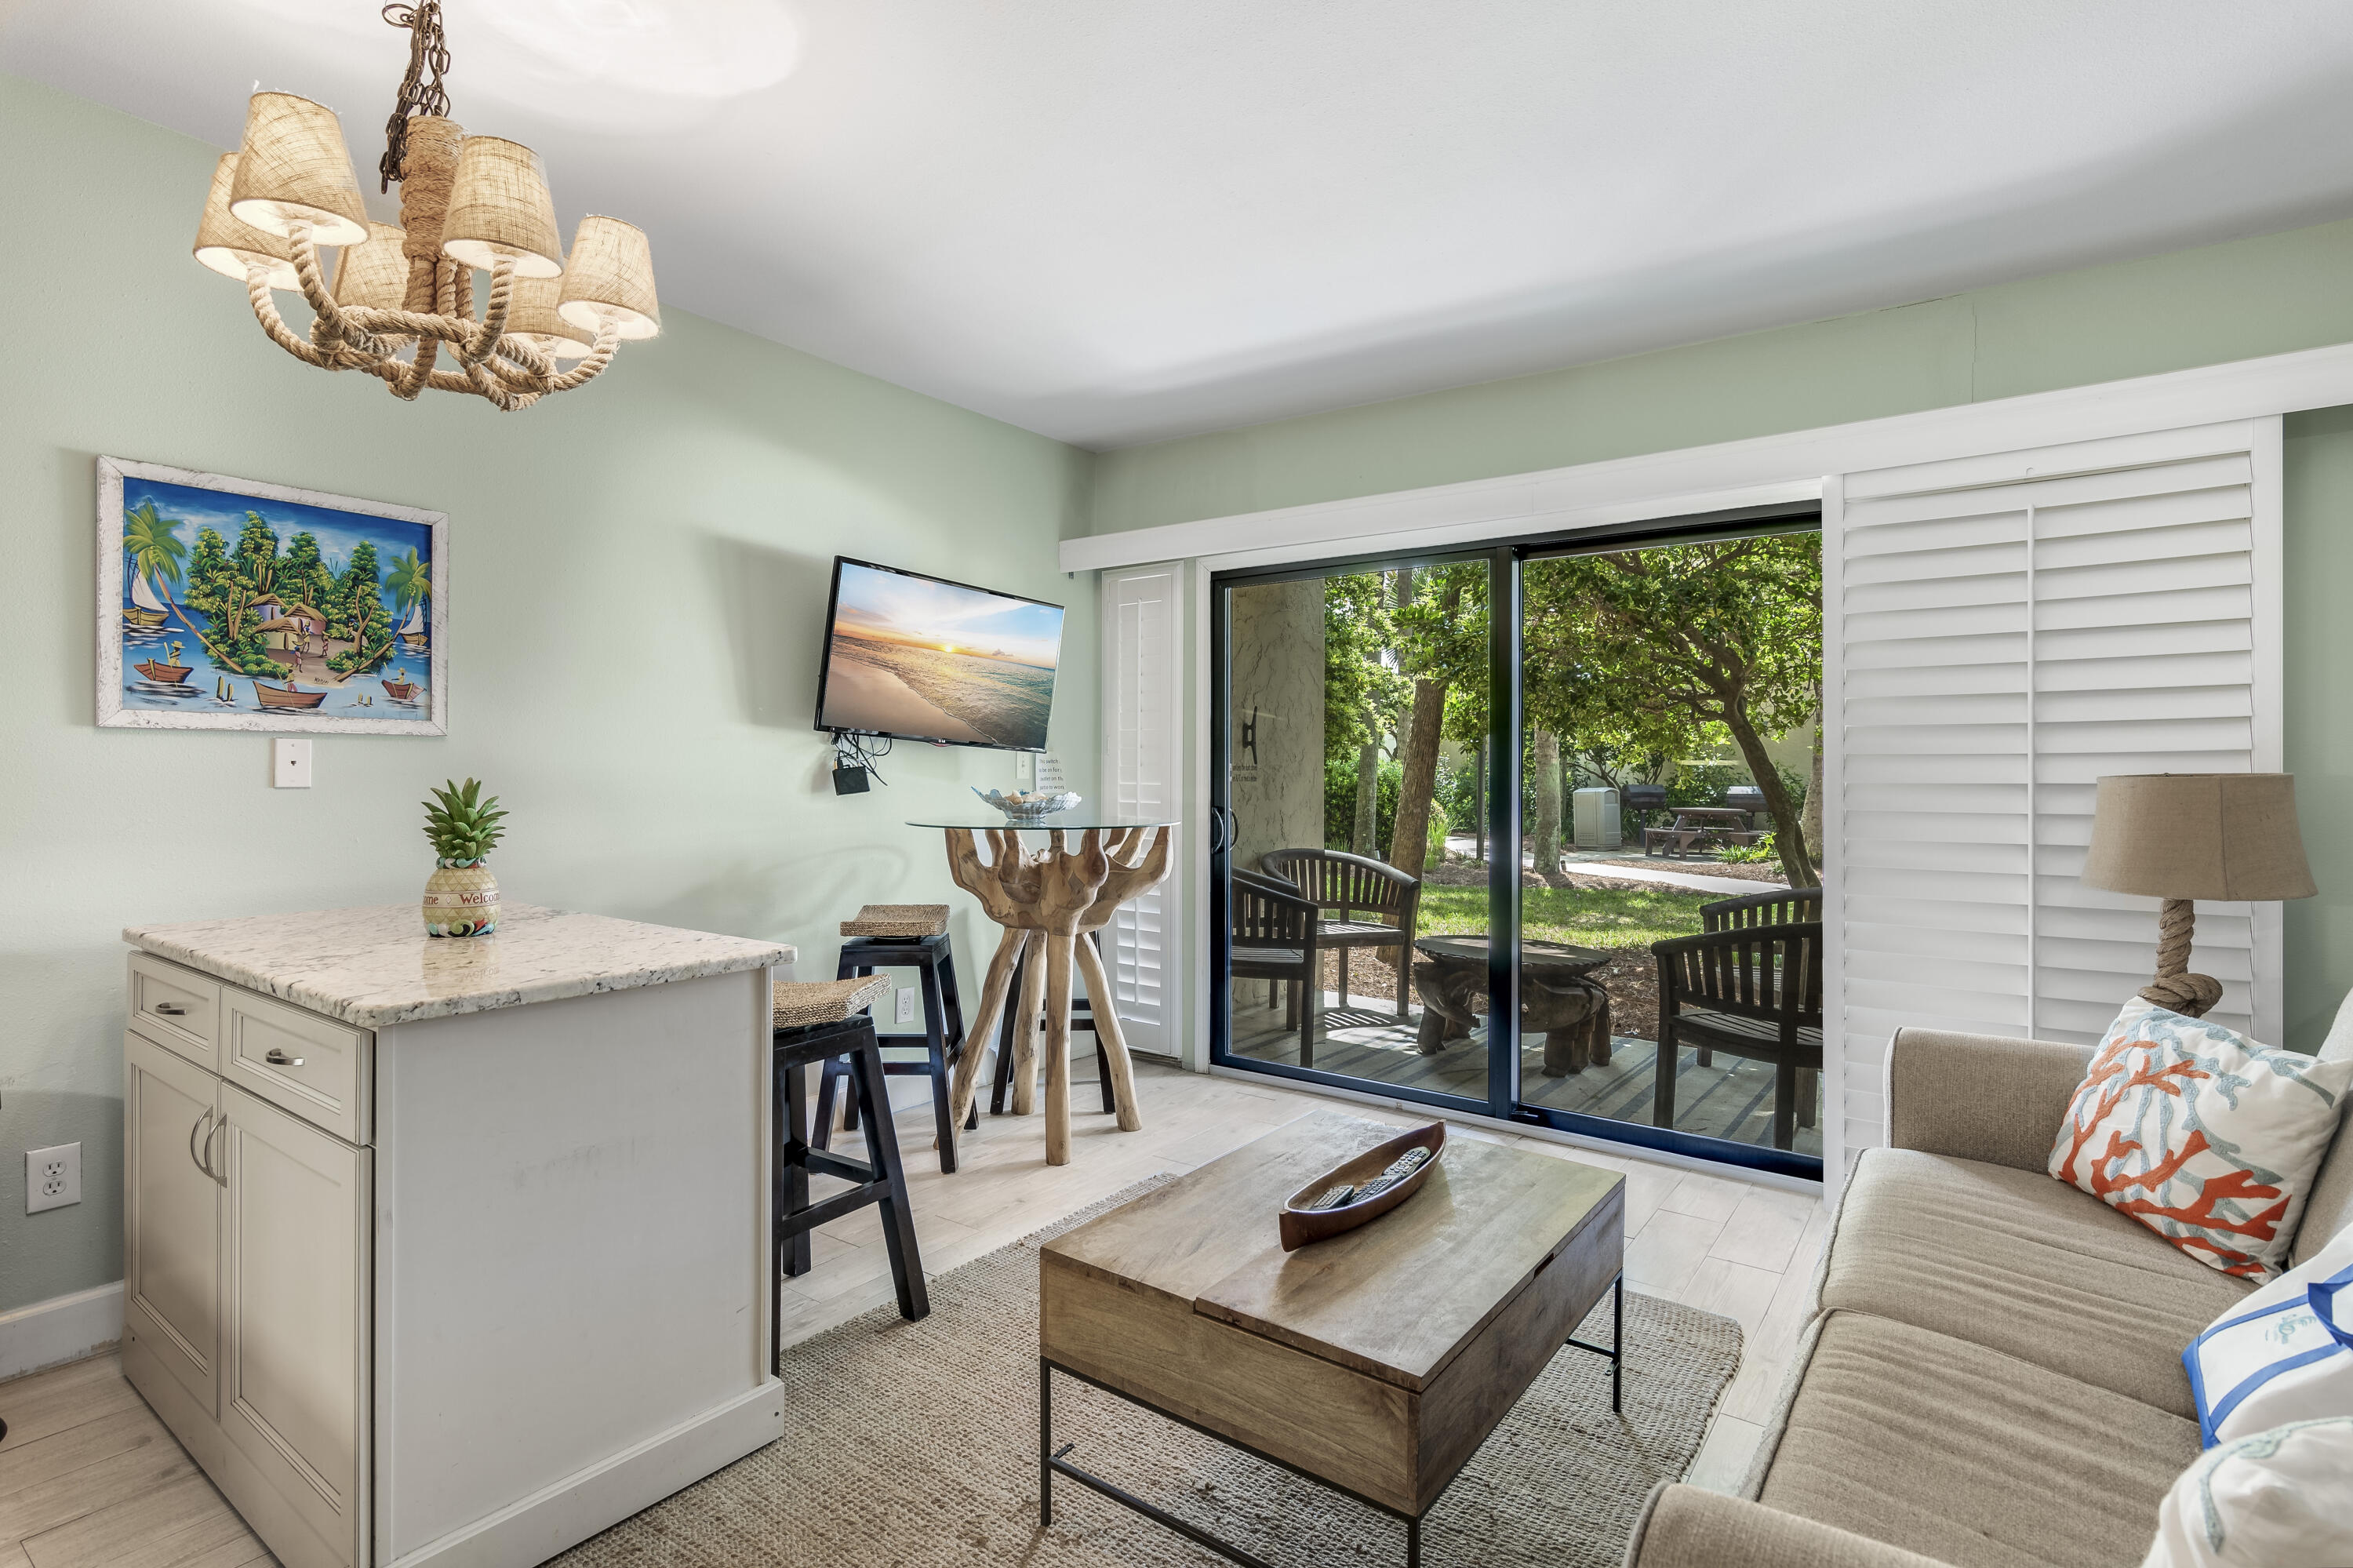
{"points": [[1556, 999], [1045, 902]]}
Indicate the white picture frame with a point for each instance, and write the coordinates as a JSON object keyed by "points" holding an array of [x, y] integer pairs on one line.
{"points": [[405, 692]]}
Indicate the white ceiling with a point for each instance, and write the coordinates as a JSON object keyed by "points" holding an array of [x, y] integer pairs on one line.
{"points": [[1115, 221]]}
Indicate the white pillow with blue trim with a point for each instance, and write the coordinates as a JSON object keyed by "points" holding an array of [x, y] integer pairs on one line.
{"points": [[2281, 1499], [2284, 1353]]}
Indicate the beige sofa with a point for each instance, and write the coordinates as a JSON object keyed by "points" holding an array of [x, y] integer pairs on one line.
{"points": [[1993, 1375]]}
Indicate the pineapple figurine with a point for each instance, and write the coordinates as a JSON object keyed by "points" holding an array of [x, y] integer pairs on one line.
{"points": [[461, 897]]}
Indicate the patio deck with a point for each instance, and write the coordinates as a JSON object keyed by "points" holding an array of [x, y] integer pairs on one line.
{"points": [[1731, 1099]]}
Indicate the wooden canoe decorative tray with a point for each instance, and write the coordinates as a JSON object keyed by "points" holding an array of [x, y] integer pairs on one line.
{"points": [[1302, 1226]]}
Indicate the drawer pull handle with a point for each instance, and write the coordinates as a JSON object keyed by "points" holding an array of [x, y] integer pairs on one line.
{"points": [[277, 1058], [170, 1010], [198, 1159]]}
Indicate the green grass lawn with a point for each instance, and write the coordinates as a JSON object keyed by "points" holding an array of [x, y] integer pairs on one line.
{"points": [[1584, 918]]}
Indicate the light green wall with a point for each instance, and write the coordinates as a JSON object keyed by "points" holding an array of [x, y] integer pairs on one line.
{"points": [[2235, 301], [637, 592], [2271, 294]]}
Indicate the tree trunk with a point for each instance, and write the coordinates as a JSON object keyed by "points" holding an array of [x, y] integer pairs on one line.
{"points": [[1813, 813], [1409, 839], [1788, 832], [1364, 840], [1546, 832]]}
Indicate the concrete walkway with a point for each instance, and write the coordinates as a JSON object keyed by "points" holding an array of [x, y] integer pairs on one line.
{"points": [[1466, 846]]}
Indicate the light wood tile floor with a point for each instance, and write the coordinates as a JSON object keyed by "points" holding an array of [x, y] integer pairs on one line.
{"points": [[90, 1479]]}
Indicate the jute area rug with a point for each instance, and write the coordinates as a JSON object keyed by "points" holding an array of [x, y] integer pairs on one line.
{"points": [[909, 1445]]}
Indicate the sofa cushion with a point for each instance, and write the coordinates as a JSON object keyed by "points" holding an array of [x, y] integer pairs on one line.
{"points": [[2329, 1211], [1968, 1455], [2018, 1263], [2203, 1135]]}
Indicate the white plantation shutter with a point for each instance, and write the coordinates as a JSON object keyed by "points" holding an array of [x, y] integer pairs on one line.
{"points": [[2003, 631], [1141, 757]]}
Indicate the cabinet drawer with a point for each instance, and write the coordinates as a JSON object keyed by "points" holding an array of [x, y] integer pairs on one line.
{"points": [[312, 1066], [176, 1008]]}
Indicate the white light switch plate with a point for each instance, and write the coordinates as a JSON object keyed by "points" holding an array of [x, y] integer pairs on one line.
{"points": [[52, 1177], [290, 763]]}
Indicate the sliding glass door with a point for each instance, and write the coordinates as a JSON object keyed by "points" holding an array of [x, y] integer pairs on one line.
{"points": [[1522, 832], [1347, 734]]}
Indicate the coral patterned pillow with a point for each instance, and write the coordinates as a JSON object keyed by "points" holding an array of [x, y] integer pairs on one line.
{"points": [[2206, 1138]]}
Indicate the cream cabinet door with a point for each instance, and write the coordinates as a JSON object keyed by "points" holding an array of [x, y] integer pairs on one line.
{"points": [[295, 1263], [172, 1214]]}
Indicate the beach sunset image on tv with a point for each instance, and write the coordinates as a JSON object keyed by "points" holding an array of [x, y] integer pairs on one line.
{"points": [[915, 657]]}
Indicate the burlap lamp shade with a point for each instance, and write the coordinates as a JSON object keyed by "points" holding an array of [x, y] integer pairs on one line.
{"points": [[227, 244], [376, 273], [611, 279], [2180, 837], [499, 206], [293, 168], [532, 316]]}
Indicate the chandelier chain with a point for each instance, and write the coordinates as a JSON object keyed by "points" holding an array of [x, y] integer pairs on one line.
{"points": [[427, 51]]}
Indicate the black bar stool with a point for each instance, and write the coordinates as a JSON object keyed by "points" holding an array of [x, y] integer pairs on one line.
{"points": [[819, 1022], [915, 936], [1082, 1016]]}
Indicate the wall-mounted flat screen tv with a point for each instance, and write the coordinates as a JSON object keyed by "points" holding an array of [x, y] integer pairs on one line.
{"points": [[920, 657]]}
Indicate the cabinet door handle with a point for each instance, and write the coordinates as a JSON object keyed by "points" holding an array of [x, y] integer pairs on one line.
{"points": [[277, 1058], [170, 1010], [198, 1159], [218, 1176]]}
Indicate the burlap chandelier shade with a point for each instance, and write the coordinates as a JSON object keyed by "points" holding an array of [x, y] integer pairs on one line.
{"points": [[376, 273], [401, 301], [500, 206], [2224, 837], [532, 316], [610, 281], [293, 168], [226, 243]]}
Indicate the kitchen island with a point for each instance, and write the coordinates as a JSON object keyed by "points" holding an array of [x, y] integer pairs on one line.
{"points": [[447, 1251]]}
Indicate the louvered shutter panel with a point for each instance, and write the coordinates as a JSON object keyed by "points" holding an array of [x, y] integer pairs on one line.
{"points": [[2008, 628], [1140, 763]]}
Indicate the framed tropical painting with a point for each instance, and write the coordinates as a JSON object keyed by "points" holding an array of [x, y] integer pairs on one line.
{"points": [[232, 604]]}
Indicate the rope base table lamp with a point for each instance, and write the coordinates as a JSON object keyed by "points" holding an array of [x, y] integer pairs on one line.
{"points": [[2180, 837]]}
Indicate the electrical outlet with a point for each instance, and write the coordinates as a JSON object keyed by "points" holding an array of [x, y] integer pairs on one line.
{"points": [[906, 1004], [52, 1177]]}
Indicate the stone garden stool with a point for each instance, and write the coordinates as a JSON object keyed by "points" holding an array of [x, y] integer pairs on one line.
{"points": [[914, 937], [1556, 998], [815, 1022]]}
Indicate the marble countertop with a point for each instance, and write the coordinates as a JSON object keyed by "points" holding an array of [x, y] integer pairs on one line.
{"points": [[376, 966]]}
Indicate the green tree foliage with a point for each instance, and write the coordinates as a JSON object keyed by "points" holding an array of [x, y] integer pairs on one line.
{"points": [[410, 580], [220, 591], [256, 554], [152, 544], [1363, 693], [359, 608], [1673, 640], [1340, 799], [302, 576]]}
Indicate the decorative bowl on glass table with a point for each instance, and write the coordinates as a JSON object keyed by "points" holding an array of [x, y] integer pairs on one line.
{"points": [[1030, 807]]}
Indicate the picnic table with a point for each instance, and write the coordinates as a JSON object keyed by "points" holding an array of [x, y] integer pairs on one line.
{"points": [[1718, 826]]}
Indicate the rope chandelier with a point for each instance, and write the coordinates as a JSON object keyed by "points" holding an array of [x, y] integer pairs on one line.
{"points": [[402, 295]]}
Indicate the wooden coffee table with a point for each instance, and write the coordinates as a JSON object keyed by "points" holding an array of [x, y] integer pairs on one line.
{"points": [[1375, 1362]]}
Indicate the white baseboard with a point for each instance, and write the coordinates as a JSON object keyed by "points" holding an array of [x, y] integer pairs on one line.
{"points": [[62, 1328], [562, 1516]]}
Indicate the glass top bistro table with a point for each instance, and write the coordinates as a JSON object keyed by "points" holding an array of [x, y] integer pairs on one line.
{"points": [[1045, 899]]}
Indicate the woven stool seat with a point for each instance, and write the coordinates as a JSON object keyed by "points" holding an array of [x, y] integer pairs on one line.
{"points": [[796, 1004], [898, 920]]}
